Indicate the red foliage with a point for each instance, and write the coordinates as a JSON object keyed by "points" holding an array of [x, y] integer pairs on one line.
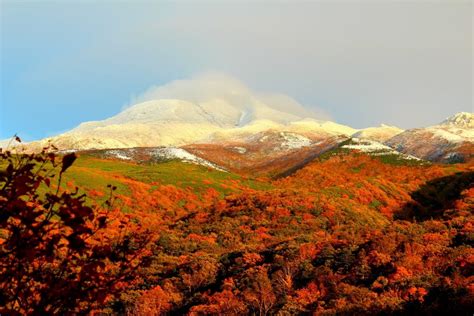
{"points": [[58, 254], [349, 235]]}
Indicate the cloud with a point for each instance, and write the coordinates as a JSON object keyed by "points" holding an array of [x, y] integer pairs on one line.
{"points": [[215, 85]]}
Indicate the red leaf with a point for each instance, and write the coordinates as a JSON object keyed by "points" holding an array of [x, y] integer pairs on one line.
{"points": [[68, 160]]}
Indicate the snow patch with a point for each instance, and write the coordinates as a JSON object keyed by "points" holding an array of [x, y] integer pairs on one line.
{"points": [[185, 156], [118, 154], [367, 145], [294, 141], [375, 148], [240, 150], [452, 135], [318, 126]]}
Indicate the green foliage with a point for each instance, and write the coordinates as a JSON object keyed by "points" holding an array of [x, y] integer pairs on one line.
{"points": [[400, 160], [92, 173]]}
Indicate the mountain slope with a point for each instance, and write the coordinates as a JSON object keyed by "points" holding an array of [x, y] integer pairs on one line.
{"points": [[268, 153], [460, 120], [450, 141]]}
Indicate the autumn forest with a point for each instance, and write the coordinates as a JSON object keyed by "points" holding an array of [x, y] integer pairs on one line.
{"points": [[347, 234]]}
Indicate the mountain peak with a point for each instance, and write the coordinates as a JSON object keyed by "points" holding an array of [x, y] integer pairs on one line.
{"points": [[380, 133], [461, 119]]}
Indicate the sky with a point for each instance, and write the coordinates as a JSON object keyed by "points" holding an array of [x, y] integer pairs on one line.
{"points": [[361, 63]]}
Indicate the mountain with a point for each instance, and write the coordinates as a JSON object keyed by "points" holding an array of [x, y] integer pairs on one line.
{"points": [[238, 130], [173, 122], [450, 141], [380, 133], [461, 120], [266, 153]]}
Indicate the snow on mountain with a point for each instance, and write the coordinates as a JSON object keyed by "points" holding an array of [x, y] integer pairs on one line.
{"points": [[196, 110], [460, 120], [294, 141], [183, 155], [265, 152], [374, 148], [220, 110], [160, 153], [217, 112], [119, 154], [179, 122], [307, 128], [454, 137], [452, 134], [318, 126], [380, 133], [366, 145]]}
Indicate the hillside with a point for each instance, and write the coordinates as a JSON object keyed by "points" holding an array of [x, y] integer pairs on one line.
{"points": [[92, 173], [344, 235]]}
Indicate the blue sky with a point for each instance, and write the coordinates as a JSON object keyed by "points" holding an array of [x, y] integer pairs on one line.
{"points": [[362, 62]]}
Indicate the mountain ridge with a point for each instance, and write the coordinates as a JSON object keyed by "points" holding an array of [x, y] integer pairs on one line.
{"points": [[174, 122], [452, 140], [177, 123]]}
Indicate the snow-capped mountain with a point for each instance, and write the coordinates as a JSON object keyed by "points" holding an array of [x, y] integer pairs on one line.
{"points": [[204, 109], [172, 122], [450, 141], [219, 112]]}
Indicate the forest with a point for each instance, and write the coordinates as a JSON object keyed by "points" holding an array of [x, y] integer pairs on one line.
{"points": [[346, 234]]}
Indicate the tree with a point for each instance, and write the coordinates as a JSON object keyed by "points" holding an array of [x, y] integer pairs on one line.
{"points": [[155, 301], [57, 254], [259, 292]]}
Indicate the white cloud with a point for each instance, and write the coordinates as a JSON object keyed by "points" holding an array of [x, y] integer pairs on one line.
{"points": [[214, 85]]}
